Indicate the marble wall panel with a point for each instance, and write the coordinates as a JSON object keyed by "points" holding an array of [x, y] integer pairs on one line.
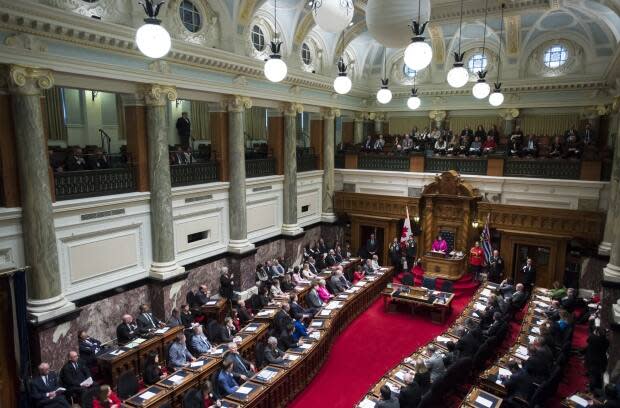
{"points": [[592, 274]]}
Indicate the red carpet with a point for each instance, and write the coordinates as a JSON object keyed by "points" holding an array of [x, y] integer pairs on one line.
{"points": [[374, 343]]}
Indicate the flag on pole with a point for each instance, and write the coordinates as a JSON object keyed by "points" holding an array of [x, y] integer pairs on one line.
{"points": [[406, 233], [486, 240]]}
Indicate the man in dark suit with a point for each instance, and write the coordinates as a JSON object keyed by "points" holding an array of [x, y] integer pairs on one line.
{"points": [[147, 322], [244, 314], [538, 363], [202, 296], [127, 330], [368, 144], [520, 383], [312, 298], [322, 246], [467, 344], [75, 161], [45, 389], [495, 326], [296, 308], [371, 246], [387, 400], [330, 259], [227, 284], [89, 348], [529, 275], [410, 251], [97, 160], [411, 394], [75, 377], [286, 340], [496, 267], [530, 147], [282, 318], [242, 368], [588, 136], [184, 128], [272, 354], [518, 298]]}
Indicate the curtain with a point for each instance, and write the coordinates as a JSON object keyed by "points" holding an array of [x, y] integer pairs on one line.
{"points": [[200, 120], [120, 114], [458, 123], [400, 126], [256, 124], [548, 125], [55, 116]]}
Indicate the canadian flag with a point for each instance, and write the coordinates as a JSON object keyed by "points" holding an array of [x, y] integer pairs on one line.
{"points": [[406, 234]]}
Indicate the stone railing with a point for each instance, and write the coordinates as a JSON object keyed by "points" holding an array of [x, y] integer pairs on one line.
{"points": [[306, 162], [554, 169], [260, 167], [462, 165], [383, 162], [92, 183], [194, 173]]}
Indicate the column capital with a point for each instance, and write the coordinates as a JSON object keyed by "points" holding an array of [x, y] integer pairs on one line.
{"points": [[437, 115], [509, 114], [292, 109], [360, 116], [615, 106], [593, 112], [158, 95], [330, 113], [238, 103], [27, 80]]}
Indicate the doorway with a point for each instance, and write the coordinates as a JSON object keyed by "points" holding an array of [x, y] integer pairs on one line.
{"points": [[365, 231], [540, 260]]}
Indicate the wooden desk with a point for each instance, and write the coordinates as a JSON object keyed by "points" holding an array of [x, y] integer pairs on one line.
{"points": [[184, 381], [573, 401], [215, 309], [418, 298], [153, 397], [444, 268], [476, 394], [247, 392]]}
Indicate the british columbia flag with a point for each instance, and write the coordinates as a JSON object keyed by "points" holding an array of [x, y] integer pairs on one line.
{"points": [[485, 238]]}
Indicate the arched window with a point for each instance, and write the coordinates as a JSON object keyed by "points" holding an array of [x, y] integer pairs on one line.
{"points": [[258, 38], [477, 62], [555, 56], [306, 54], [190, 16]]}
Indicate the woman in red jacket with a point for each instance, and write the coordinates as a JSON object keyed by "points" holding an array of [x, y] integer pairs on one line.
{"points": [[476, 257], [106, 398]]}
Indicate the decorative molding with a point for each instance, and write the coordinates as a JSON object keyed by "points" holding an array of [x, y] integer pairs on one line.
{"points": [[513, 30], [331, 113], [238, 104], [508, 114], [240, 81], [29, 81], [292, 109], [160, 66], [26, 42], [158, 95], [438, 43], [375, 205]]}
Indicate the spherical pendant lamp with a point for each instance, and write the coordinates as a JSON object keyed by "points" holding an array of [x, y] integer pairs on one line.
{"points": [[152, 39], [333, 15]]}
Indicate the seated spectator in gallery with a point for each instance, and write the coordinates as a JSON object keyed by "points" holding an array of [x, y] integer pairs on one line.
{"points": [[489, 145], [530, 148], [494, 131], [226, 380], [75, 160], [180, 156], [557, 148], [516, 141], [573, 145], [475, 148], [97, 160], [453, 144], [368, 144], [379, 143], [178, 355], [441, 146], [463, 147], [588, 136], [467, 131], [55, 163], [407, 143]]}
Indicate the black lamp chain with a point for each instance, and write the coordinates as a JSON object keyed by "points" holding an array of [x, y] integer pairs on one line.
{"points": [[501, 33], [484, 37], [460, 27]]}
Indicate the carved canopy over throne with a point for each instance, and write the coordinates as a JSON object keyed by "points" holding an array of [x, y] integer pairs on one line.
{"points": [[448, 207]]}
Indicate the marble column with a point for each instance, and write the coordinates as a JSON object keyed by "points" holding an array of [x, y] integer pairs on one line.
{"points": [[509, 116], [358, 129], [45, 297], [378, 124], [613, 212], [327, 214], [289, 225], [164, 264], [237, 211]]}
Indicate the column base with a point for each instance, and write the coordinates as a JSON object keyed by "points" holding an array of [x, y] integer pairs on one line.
{"points": [[292, 230], [328, 217], [165, 270], [240, 246], [41, 310], [604, 248], [611, 273]]}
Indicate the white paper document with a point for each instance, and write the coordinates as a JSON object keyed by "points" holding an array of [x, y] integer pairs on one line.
{"points": [[522, 350], [484, 401], [117, 352], [305, 346], [400, 375], [146, 395], [442, 339], [479, 306], [325, 312], [250, 329], [162, 330], [217, 351], [486, 292], [579, 401], [315, 335], [195, 364], [176, 379], [211, 302], [366, 403], [87, 382], [244, 390], [266, 375], [535, 330], [291, 357], [504, 373], [316, 323], [544, 298]]}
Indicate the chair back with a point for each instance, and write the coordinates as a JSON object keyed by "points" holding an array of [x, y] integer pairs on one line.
{"points": [[428, 283], [127, 385], [447, 286], [190, 298], [193, 399], [259, 352]]}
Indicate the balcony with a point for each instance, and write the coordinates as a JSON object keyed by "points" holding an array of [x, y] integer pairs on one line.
{"points": [[71, 185], [260, 167], [193, 173]]}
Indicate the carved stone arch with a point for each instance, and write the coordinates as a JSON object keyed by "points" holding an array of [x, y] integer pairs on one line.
{"points": [[437, 42], [470, 49], [304, 27], [264, 20], [351, 59], [317, 49], [577, 55], [115, 11], [209, 33]]}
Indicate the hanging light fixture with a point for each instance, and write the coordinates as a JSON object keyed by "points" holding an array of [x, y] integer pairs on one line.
{"points": [[481, 89], [497, 97], [418, 54], [275, 68], [414, 102], [342, 83], [384, 95], [152, 39], [458, 75], [332, 15]]}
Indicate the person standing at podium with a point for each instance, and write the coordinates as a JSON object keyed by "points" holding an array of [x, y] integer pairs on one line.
{"points": [[476, 260], [440, 245]]}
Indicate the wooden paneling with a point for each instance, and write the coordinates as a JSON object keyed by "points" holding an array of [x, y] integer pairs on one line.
{"points": [[316, 141], [8, 155], [495, 167], [347, 132], [275, 140], [219, 139], [137, 144], [416, 163], [387, 207], [350, 160], [590, 170], [587, 225]]}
